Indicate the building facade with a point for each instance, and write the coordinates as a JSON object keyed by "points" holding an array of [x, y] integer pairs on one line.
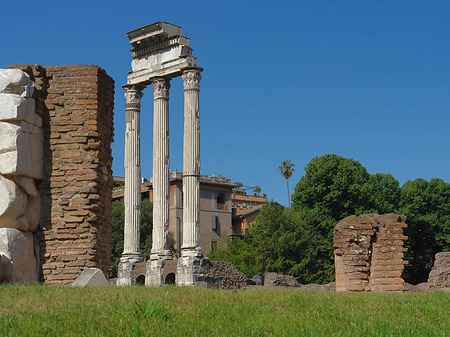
{"points": [[215, 207]]}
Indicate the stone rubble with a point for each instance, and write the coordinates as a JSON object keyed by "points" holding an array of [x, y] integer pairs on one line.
{"points": [[278, 280], [224, 275], [91, 277]]}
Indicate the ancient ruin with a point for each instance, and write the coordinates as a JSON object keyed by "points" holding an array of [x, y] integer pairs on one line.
{"points": [[368, 252], [439, 277], [160, 53], [21, 153], [55, 165]]}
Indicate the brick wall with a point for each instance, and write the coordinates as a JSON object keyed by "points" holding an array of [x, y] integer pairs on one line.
{"points": [[76, 104], [369, 252]]}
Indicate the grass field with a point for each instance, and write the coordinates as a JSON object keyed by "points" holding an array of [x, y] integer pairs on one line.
{"points": [[170, 311]]}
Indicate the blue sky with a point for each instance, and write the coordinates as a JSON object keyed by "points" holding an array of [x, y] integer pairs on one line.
{"points": [[368, 80]]}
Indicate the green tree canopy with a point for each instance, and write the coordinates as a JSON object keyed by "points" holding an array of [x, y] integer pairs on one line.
{"points": [[427, 206], [333, 188]]}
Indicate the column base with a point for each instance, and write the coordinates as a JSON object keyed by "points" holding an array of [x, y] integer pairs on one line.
{"points": [[192, 267], [125, 268], [155, 268]]}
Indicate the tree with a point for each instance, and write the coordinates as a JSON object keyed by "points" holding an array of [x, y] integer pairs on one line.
{"points": [[286, 169], [257, 190], [427, 206], [333, 188], [117, 226], [239, 188]]}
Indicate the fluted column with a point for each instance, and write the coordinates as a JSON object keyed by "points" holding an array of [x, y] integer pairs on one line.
{"points": [[133, 95], [161, 167], [191, 163]]}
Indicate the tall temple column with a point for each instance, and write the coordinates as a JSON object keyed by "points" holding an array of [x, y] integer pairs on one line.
{"points": [[160, 248], [191, 263], [131, 254]]}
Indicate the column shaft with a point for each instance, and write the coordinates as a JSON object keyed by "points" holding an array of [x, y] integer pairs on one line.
{"points": [[132, 163], [161, 168], [191, 161]]}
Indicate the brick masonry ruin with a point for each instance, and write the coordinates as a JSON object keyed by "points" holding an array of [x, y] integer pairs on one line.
{"points": [[76, 105], [368, 251], [439, 277]]}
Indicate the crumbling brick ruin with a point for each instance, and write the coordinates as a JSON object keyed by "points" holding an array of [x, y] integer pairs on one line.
{"points": [[439, 277], [368, 252], [76, 105]]}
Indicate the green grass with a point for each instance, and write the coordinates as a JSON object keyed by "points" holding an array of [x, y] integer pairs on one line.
{"points": [[170, 311]]}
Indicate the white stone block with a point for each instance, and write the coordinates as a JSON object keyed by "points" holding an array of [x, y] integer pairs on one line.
{"points": [[19, 262], [27, 184], [91, 277], [17, 108], [13, 202], [21, 149], [15, 81]]}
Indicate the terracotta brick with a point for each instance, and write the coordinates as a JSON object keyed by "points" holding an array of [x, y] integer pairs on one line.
{"points": [[359, 260], [79, 128]]}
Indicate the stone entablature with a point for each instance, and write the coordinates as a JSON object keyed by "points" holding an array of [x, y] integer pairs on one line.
{"points": [[368, 252], [159, 50]]}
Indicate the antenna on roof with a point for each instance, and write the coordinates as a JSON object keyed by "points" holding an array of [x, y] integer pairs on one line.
{"points": [[228, 161]]}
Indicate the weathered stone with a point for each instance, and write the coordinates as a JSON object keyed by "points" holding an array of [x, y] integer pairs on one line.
{"points": [[91, 277], [224, 275], [19, 262], [15, 108], [15, 81], [319, 287], [33, 212], [274, 279], [13, 203], [131, 254], [27, 184], [439, 277], [21, 149]]}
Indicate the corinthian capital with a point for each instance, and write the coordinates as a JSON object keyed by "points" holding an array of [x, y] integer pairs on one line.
{"points": [[161, 86], [133, 93], [191, 79]]}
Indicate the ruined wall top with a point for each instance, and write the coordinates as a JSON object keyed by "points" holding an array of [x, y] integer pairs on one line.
{"points": [[159, 50]]}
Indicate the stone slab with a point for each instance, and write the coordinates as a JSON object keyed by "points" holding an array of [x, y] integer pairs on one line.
{"points": [[15, 81], [13, 202], [17, 108], [91, 277], [21, 149], [19, 262]]}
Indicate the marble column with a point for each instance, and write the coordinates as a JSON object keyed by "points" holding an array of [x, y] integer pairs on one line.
{"points": [[160, 248], [191, 162], [190, 266], [131, 254]]}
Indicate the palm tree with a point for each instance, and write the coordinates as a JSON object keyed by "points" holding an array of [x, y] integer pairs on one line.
{"points": [[257, 190], [286, 169]]}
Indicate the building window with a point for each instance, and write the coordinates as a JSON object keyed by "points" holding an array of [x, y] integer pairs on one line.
{"points": [[220, 202], [215, 223]]}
